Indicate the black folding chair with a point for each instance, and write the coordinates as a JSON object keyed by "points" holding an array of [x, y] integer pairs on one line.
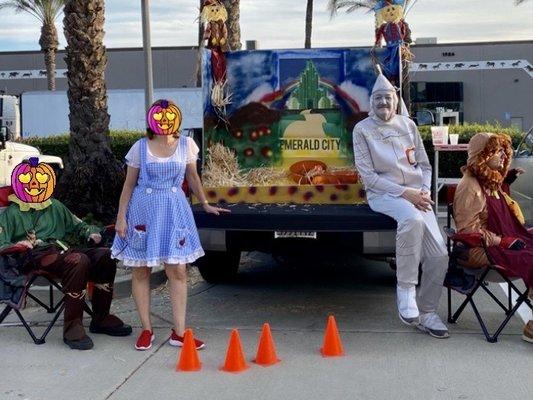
{"points": [[42, 278], [491, 273], [51, 308]]}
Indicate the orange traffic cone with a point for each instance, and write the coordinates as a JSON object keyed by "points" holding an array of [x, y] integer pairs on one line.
{"points": [[332, 346], [189, 360], [235, 361], [266, 351]]}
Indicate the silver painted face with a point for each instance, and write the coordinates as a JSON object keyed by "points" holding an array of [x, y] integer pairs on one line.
{"points": [[383, 105]]}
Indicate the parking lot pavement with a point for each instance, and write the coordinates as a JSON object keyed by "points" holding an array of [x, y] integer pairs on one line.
{"points": [[384, 359]]}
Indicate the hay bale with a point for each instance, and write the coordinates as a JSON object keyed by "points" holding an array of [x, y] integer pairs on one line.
{"points": [[222, 170]]}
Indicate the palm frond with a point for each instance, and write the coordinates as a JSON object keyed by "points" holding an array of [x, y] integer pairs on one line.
{"points": [[335, 5], [45, 11]]}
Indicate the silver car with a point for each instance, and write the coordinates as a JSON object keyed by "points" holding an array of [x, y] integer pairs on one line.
{"points": [[522, 189]]}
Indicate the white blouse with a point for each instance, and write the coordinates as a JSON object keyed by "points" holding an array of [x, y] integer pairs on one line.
{"points": [[133, 158]]}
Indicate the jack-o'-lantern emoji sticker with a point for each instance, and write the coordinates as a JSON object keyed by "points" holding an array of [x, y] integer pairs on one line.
{"points": [[33, 181], [164, 117]]}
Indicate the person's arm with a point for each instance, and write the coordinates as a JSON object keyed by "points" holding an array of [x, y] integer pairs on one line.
{"points": [[132, 176], [133, 161], [5, 231], [12, 230], [195, 184], [365, 168], [511, 176], [196, 187], [73, 224]]}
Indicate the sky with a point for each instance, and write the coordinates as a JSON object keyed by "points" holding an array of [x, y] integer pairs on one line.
{"points": [[281, 23]]}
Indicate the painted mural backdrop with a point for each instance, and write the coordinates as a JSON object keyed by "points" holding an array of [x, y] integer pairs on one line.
{"points": [[286, 134]]}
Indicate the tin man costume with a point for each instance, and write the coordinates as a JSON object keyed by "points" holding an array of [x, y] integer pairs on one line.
{"points": [[393, 164]]}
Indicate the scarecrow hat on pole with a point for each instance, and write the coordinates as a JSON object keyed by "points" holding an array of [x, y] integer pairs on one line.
{"points": [[385, 3]]}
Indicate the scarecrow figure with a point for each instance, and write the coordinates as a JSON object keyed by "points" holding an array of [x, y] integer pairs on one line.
{"points": [[391, 27], [214, 17], [39, 225]]}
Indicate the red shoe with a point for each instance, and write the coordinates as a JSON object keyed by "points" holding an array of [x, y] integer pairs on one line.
{"points": [[144, 342], [176, 340]]}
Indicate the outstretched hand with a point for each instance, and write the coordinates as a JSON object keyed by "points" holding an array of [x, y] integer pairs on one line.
{"points": [[208, 208]]}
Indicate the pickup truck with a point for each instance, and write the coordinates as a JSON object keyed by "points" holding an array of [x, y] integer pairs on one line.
{"points": [[13, 153], [286, 136]]}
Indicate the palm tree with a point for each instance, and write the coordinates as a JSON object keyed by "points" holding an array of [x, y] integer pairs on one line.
{"points": [[46, 11], [200, 46], [93, 177], [234, 27], [308, 23]]}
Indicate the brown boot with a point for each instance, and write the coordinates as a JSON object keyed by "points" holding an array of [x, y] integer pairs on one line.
{"points": [[102, 321], [85, 343], [110, 325], [528, 332], [73, 330]]}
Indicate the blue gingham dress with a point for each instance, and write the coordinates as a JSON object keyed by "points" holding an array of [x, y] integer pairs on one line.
{"points": [[159, 204]]}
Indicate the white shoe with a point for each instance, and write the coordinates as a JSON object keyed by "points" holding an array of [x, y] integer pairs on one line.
{"points": [[407, 308], [432, 324]]}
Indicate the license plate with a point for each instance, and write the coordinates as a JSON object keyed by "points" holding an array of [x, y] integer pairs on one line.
{"points": [[294, 235]]}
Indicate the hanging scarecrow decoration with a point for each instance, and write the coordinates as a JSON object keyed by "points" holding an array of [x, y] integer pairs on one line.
{"points": [[214, 16], [391, 27]]}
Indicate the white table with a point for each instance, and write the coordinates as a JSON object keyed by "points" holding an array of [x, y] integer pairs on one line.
{"points": [[440, 182]]}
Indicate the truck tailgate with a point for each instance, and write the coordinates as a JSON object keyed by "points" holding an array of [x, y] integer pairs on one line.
{"points": [[295, 217]]}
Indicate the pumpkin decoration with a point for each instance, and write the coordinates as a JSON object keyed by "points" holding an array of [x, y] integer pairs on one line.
{"points": [[314, 172], [32, 181], [164, 117], [302, 172]]}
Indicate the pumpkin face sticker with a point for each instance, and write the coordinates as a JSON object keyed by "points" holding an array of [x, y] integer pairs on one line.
{"points": [[164, 117], [32, 181]]}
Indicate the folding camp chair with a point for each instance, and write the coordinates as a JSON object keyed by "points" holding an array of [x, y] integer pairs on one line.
{"points": [[481, 277], [38, 278]]}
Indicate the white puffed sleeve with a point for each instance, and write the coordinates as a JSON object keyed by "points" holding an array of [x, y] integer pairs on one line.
{"points": [[192, 151], [133, 158]]}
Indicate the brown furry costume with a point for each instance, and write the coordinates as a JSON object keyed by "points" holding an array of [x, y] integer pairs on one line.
{"points": [[477, 161], [482, 205]]}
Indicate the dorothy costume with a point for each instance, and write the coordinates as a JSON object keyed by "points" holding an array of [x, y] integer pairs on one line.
{"points": [[160, 223]]}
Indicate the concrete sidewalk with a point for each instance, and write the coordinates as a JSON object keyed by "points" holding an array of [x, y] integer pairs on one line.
{"points": [[384, 359]]}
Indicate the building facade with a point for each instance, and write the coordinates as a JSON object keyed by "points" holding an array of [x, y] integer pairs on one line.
{"points": [[484, 82]]}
